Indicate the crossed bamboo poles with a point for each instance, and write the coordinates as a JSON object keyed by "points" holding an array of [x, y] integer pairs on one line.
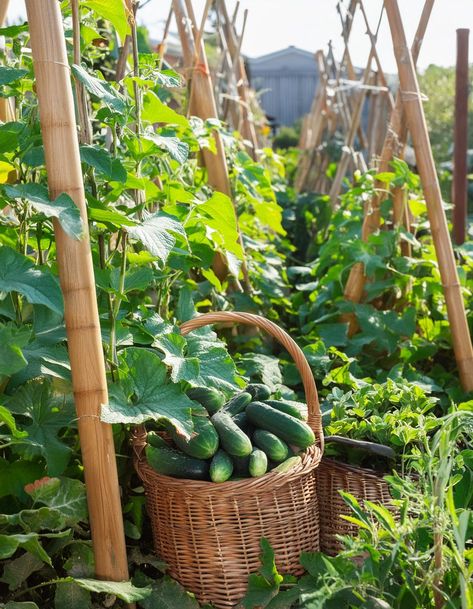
{"points": [[77, 280]]}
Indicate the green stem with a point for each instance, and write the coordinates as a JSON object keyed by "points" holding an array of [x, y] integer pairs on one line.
{"points": [[115, 307], [51, 582]]}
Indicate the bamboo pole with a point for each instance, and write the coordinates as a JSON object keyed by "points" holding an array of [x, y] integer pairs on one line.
{"points": [[76, 275], [234, 46], [355, 121], [202, 104], [460, 161], [395, 139], [411, 99], [3, 11]]}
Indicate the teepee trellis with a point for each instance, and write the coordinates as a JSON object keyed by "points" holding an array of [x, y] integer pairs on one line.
{"points": [[393, 145], [202, 104], [76, 275], [412, 103]]}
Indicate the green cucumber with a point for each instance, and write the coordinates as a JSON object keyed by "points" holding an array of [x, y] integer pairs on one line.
{"points": [[286, 427], [258, 391], [154, 439], [221, 467], [295, 409], [240, 466], [287, 465], [203, 442], [171, 462], [210, 398], [242, 421], [275, 448], [237, 403], [232, 438], [258, 463]]}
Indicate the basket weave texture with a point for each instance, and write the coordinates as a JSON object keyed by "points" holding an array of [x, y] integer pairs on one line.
{"points": [[364, 484], [209, 534]]}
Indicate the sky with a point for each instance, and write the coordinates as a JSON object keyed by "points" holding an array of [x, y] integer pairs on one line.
{"points": [[311, 24]]}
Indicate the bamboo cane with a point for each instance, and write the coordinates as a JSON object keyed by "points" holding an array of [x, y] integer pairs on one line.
{"points": [[76, 275], [350, 137], [411, 99], [247, 126], [202, 104], [3, 11], [396, 136]]}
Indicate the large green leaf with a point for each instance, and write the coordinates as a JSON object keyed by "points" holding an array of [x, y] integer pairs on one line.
{"points": [[12, 340], [9, 75], [217, 368], [47, 415], [156, 233], [183, 368], [169, 594], [9, 544], [219, 217], [15, 474], [126, 591], [7, 419], [144, 393], [17, 571], [264, 585], [101, 89], [112, 10], [178, 150], [262, 367], [42, 360], [36, 520], [63, 494], [105, 164], [63, 207], [70, 595], [19, 274], [155, 111]]}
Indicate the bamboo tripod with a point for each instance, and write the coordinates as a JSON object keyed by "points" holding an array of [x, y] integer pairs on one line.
{"points": [[412, 102], [394, 144], [76, 275], [202, 104]]}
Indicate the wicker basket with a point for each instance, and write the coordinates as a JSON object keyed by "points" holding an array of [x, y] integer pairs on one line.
{"points": [[209, 534], [364, 484]]}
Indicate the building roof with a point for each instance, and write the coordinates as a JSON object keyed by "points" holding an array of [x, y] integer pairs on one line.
{"points": [[290, 58]]}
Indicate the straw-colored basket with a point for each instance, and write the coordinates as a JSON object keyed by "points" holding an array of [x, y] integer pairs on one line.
{"points": [[364, 484], [209, 534]]}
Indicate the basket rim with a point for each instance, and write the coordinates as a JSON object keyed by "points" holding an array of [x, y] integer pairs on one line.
{"points": [[363, 471], [271, 480]]}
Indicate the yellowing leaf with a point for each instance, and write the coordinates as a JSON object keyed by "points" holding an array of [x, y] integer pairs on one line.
{"points": [[8, 173]]}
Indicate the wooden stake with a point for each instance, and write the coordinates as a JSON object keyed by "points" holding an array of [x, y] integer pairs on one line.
{"points": [[395, 139], [3, 11], [460, 161], [202, 104], [56, 107], [411, 99], [355, 122]]}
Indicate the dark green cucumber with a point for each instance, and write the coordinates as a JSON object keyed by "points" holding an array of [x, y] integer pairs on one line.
{"points": [[258, 391], [221, 467], [295, 409], [242, 421], [154, 439], [203, 442], [286, 427], [171, 462], [287, 465], [258, 464], [232, 438], [240, 466], [210, 398], [237, 403], [275, 448]]}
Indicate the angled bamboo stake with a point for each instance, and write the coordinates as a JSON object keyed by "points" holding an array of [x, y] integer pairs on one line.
{"points": [[395, 140], [350, 137], [411, 99], [3, 11], [202, 104], [234, 45], [58, 125]]}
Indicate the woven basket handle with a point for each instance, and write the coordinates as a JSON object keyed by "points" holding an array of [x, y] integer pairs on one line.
{"points": [[248, 319]]}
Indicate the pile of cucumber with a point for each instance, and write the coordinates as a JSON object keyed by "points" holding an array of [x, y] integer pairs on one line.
{"points": [[244, 437]]}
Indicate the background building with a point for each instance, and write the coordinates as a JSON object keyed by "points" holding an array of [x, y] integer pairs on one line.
{"points": [[287, 80]]}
